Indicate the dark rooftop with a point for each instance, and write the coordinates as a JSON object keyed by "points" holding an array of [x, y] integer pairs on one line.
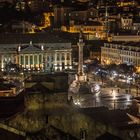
{"points": [[108, 136], [6, 135], [47, 37], [6, 86], [112, 117], [38, 87]]}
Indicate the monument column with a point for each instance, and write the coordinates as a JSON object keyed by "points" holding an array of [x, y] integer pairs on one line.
{"points": [[81, 76]]}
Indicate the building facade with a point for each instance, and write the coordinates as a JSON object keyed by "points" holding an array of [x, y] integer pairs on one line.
{"points": [[126, 23], [121, 52], [91, 31], [39, 56]]}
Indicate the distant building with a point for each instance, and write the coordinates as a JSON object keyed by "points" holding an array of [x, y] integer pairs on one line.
{"points": [[126, 23], [121, 52], [84, 15], [126, 38], [62, 15], [91, 30], [22, 27]]}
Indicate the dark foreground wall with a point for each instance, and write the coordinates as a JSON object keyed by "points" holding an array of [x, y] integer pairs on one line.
{"points": [[55, 82]]}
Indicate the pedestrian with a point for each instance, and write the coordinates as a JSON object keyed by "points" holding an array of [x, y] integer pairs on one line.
{"points": [[118, 90]]}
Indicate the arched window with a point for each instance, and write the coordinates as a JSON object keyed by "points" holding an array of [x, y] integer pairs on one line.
{"points": [[58, 57], [63, 57], [68, 56]]}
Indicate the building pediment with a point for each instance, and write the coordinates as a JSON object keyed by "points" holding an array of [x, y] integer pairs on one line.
{"points": [[30, 48]]}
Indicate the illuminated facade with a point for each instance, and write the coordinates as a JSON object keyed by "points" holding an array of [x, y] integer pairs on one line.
{"points": [[47, 56], [126, 23], [121, 52], [92, 31], [126, 3]]}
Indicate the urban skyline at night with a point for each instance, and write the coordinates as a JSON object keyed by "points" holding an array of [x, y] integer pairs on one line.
{"points": [[69, 69]]}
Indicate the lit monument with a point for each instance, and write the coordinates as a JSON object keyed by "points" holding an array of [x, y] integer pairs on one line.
{"points": [[81, 85], [81, 77]]}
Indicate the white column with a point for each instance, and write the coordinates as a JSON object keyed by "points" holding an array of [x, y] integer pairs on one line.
{"points": [[55, 60], [33, 61], [38, 60], [29, 61], [19, 60], [66, 58], [24, 61], [42, 61], [2, 62], [60, 60]]}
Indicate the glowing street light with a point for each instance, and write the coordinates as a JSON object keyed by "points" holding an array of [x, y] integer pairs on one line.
{"points": [[77, 102], [114, 95]]}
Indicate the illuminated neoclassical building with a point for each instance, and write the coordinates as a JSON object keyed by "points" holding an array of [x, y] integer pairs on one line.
{"points": [[37, 56]]}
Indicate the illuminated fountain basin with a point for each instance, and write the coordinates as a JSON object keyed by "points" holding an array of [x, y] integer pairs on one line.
{"points": [[77, 89]]}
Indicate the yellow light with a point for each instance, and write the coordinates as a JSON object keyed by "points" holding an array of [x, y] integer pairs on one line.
{"points": [[138, 69]]}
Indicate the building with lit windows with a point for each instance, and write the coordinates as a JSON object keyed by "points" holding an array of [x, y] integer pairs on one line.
{"points": [[39, 55], [121, 52], [126, 23], [91, 29]]}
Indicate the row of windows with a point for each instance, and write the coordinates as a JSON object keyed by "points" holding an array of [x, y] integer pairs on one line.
{"points": [[87, 29], [126, 21], [124, 52], [31, 58], [123, 59], [58, 57], [58, 64]]}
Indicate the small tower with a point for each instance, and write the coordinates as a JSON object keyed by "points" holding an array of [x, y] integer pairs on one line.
{"points": [[81, 75]]}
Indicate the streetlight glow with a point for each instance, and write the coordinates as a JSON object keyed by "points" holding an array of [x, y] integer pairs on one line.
{"points": [[114, 95]]}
